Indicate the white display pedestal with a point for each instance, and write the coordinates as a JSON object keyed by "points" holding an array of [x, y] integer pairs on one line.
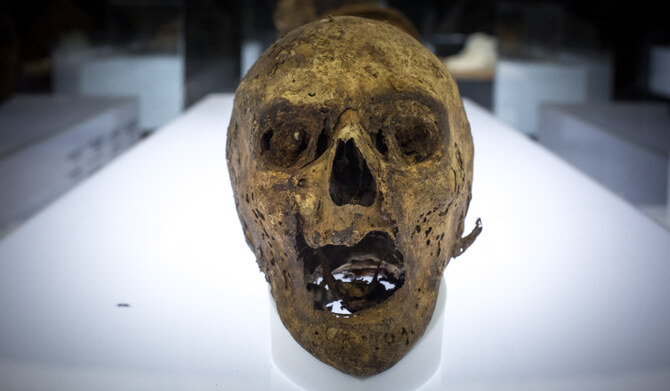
{"points": [[622, 145], [659, 70], [522, 86], [157, 80], [49, 143]]}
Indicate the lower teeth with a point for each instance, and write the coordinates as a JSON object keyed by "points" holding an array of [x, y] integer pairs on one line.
{"points": [[345, 279], [357, 287]]}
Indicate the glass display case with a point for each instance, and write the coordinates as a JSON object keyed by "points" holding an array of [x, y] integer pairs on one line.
{"points": [[123, 263]]}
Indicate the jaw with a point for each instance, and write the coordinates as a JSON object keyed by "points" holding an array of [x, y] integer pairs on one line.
{"points": [[357, 299], [371, 325], [370, 320]]}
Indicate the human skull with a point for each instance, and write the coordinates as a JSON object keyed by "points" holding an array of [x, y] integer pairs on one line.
{"points": [[350, 157]]}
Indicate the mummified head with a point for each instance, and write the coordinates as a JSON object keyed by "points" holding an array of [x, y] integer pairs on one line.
{"points": [[351, 161]]}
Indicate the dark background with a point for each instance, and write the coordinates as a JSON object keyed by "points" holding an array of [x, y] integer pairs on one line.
{"points": [[210, 34]]}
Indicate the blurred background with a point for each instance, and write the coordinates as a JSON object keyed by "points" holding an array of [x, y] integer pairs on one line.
{"points": [[83, 81]]}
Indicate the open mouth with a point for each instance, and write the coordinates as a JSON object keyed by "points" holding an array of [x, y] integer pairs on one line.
{"points": [[345, 279]]}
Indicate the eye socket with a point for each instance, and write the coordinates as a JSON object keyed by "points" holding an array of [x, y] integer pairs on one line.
{"points": [[321, 143], [417, 140], [282, 146], [379, 141]]}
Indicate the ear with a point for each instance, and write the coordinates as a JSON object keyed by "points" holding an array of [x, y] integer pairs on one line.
{"points": [[463, 243]]}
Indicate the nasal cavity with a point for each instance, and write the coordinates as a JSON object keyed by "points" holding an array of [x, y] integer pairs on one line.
{"points": [[351, 181]]}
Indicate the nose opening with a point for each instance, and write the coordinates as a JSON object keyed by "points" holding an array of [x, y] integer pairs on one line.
{"points": [[351, 181]]}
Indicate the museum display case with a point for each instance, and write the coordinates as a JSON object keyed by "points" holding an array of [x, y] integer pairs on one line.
{"points": [[138, 250]]}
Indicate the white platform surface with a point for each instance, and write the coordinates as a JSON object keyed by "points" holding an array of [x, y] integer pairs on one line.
{"points": [[567, 288]]}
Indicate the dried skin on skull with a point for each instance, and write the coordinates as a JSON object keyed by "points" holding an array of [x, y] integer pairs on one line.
{"points": [[351, 162]]}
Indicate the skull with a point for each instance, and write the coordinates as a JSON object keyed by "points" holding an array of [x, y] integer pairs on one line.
{"points": [[350, 158]]}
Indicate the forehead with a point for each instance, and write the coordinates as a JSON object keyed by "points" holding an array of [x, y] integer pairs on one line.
{"points": [[346, 58], [386, 103]]}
